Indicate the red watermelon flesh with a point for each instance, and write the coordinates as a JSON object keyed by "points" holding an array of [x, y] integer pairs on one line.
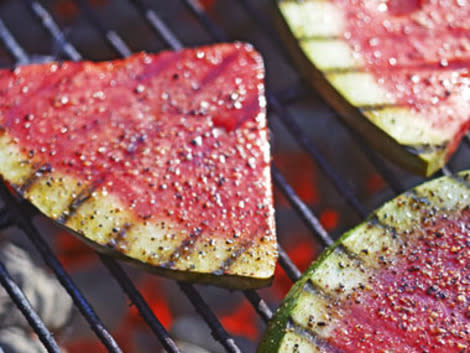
{"points": [[419, 50], [395, 70], [399, 282], [420, 303], [178, 138]]}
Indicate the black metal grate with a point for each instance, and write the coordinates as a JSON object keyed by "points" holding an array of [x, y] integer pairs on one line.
{"points": [[14, 213]]}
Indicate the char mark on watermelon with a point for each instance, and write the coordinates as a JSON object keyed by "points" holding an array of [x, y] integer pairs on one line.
{"points": [[162, 159], [397, 282], [400, 77]]}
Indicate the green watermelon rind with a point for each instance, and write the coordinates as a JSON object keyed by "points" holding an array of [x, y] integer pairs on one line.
{"points": [[446, 194], [423, 153]]}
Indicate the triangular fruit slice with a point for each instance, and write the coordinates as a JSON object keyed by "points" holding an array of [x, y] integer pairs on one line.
{"points": [[396, 70], [397, 283], [163, 159]]}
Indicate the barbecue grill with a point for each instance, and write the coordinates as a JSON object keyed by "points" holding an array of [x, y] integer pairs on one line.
{"points": [[286, 103]]}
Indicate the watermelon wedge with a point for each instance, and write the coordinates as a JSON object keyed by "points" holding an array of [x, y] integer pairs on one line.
{"points": [[160, 159], [399, 282], [395, 70]]}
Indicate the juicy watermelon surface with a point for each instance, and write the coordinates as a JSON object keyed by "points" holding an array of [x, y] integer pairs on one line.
{"points": [[419, 302], [419, 51], [396, 71], [159, 131], [398, 282], [162, 159]]}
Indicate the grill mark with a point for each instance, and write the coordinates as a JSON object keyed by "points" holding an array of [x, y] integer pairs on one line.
{"points": [[298, 1], [324, 38], [401, 237], [452, 65], [415, 196], [390, 231], [425, 148], [217, 71], [357, 261], [386, 226], [462, 180], [156, 69], [78, 201], [46, 85], [185, 248], [34, 177], [119, 241], [374, 221], [373, 107], [311, 337], [342, 70], [312, 288], [235, 255]]}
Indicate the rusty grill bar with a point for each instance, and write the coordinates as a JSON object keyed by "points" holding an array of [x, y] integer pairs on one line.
{"points": [[14, 213]]}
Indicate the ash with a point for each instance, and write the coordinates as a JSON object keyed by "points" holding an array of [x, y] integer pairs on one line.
{"points": [[45, 294]]}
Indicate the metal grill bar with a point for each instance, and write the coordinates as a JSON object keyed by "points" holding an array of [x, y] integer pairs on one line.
{"points": [[286, 263], [218, 331], [48, 22], [23, 304], [25, 224], [158, 25], [446, 171], [111, 36], [12, 45], [296, 131], [5, 219], [134, 295], [259, 304], [378, 163], [302, 209]]}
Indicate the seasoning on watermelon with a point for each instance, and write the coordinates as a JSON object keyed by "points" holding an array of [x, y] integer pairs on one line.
{"points": [[163, 159], [396, 70], [399, 282]]}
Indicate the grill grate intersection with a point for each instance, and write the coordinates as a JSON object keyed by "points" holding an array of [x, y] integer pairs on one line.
{"points": [[13, 214]]}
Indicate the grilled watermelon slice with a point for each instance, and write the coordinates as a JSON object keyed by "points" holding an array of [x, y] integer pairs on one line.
{"points": [[395, 70], [399, 282], [160, 159]]}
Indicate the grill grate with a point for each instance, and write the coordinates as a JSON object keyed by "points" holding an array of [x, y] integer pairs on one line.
{"points": [[23, 304], [14, 212]]}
